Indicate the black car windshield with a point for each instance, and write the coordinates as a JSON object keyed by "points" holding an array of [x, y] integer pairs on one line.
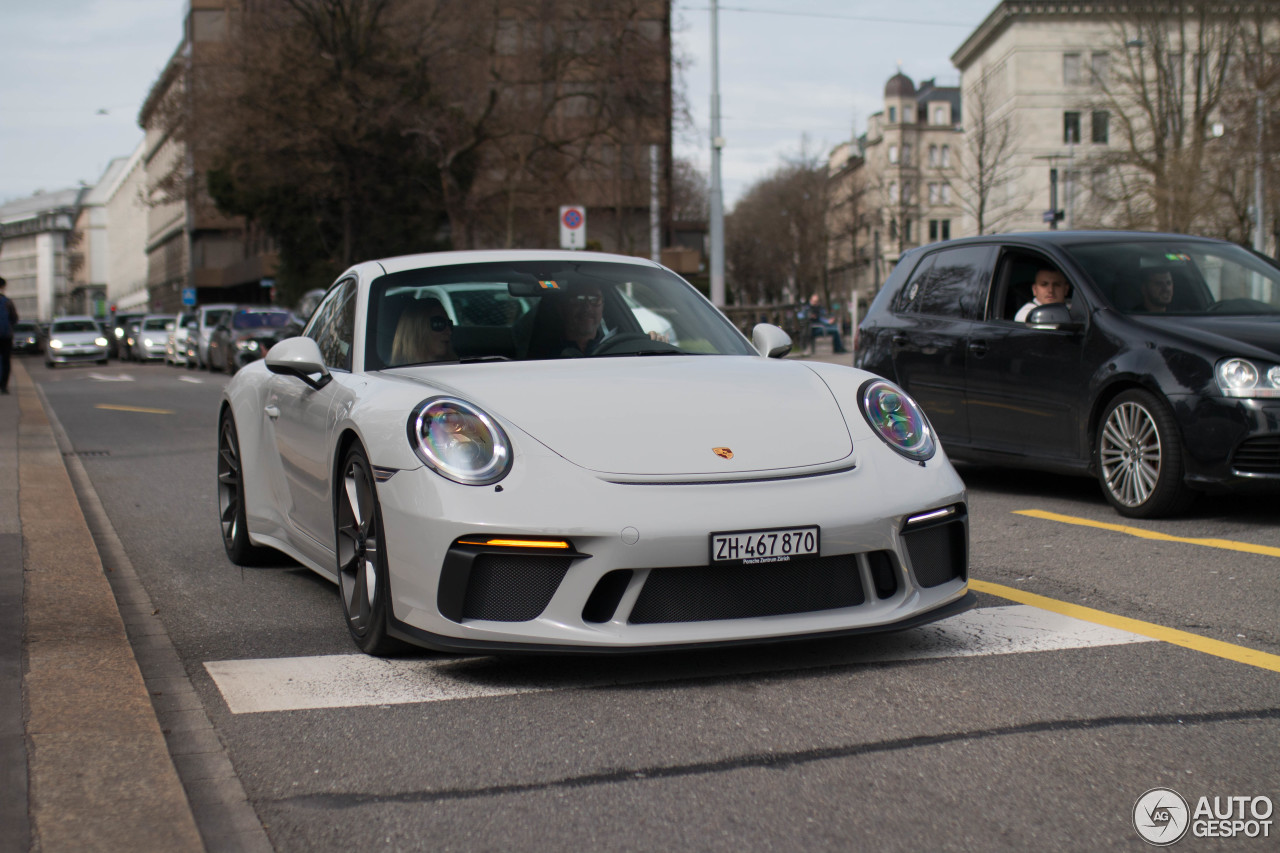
{"points": [[536, 309], [66, 327], [260, 319], [1186, 277]]}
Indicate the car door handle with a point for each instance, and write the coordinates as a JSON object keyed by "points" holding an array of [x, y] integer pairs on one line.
{"points": [[978, 348], [272, 411]]}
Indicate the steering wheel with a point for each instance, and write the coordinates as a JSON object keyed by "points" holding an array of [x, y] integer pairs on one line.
{"points": [[642, 342]]}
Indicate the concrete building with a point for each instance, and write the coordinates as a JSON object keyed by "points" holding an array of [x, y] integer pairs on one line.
{"points": [[89, 250], [33, 252], [127, 216]]}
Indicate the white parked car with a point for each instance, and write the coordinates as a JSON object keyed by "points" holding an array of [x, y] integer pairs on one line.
{"points": [[537, 482], [75, 339], [207, 319], [175, 351], [152, 338]]}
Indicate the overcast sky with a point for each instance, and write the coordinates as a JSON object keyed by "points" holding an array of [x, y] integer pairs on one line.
{"points": [[75, 73]]}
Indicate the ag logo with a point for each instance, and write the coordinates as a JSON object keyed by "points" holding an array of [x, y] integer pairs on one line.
{"points": [[722, 452], [1161, 816]]}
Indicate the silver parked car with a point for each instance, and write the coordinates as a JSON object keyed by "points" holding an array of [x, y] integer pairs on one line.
{"points": [[75, 339], [152, 338], [175, 350]]}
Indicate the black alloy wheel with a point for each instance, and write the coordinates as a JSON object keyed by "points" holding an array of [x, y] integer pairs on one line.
{"points": [[362, 558], [1139, 457], [231, 513]]}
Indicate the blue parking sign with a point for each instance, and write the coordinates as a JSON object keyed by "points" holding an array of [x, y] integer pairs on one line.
{"points": [[188, 296]]}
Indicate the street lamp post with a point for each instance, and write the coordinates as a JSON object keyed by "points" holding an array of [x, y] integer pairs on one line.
{"points": [[717, 196]]}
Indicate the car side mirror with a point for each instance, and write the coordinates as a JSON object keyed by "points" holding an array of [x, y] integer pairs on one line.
{"points": [[299, 357], [1056, 316], [770, 341]]}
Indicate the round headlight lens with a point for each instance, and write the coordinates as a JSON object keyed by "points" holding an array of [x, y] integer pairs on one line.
{"points": [[897, 419], [459, 441], [102, 342], [1273, 376], [55, 344], [1237, 375]]}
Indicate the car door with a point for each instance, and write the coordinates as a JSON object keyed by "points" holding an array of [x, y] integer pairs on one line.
{"points": [[300, 418], [934, 316], [1027, 386]]}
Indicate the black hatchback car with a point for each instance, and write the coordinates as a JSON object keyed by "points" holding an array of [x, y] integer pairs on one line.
{"points": [[1159, 374]]}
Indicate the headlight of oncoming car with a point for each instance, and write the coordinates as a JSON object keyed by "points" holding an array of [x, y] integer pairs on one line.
{"points": [[1239, 377], [458, 441], [55, 344], [102, 342], [897, 419]]}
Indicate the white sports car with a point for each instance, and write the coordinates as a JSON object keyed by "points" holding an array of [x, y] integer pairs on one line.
{"points": [[546, 473]]}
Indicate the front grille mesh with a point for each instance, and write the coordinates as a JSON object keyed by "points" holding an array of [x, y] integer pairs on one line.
{"points": [[1259, 455], [703, 593], [938, 553], [512, 587]]}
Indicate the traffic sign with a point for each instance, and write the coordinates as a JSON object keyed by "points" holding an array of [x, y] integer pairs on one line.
{"points": [[188, 296], [573, 227]]}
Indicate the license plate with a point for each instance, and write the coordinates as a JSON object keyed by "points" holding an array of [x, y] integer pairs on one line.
{"points": [[764, 546]]}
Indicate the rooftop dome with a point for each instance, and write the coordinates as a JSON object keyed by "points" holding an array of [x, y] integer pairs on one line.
{"points": [[899, 86]]}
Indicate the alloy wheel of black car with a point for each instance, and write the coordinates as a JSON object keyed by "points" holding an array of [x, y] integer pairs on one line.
{"points": [[231, 514], [1140, 457], [362, 561]]}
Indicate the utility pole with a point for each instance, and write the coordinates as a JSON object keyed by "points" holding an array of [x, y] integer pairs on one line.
{"points": [[717, 142], [1259, 227]]}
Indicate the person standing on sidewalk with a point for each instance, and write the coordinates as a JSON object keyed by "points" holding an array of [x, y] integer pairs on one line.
{"points": [[8, 316]]}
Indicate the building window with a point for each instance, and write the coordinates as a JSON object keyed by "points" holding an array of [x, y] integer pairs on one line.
{"points": [[946, 155], [906, 230], [1100, 121], [906, 153], [893, 114], [1071, 69], [1070, 127], [1099, 65], [906, 115], [908, 192], [933, 155], [893, 192], [933, 193], [893, 154], [945, 193], [939, 229], [940, 115], [933, 230]]}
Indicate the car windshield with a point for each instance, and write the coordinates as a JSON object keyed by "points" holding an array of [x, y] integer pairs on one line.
{"points": [[155, 324], [1187, 277], [65, 327], [260, 319], [532, 310], [25, 327]]}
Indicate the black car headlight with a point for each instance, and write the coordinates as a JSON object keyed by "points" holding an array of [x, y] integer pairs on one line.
{"points": [[459, 441], [1240, 377], [897, 419]]}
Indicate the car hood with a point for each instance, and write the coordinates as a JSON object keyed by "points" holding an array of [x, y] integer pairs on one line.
{"points": [[1254, 337], [77, 338], [661, 416]]}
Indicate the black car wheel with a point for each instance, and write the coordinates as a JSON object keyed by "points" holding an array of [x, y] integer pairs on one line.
{"points": [[1140, 457], [231, 512], [362, 559]]}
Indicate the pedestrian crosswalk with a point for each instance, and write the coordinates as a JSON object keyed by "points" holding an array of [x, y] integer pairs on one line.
{"points": [[346, 681]]}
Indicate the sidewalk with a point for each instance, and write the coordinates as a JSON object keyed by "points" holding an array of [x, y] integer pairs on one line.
{"points": [[84, 762]]}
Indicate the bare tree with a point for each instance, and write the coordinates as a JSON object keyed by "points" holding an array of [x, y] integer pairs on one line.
{"points": [[985, 172]]}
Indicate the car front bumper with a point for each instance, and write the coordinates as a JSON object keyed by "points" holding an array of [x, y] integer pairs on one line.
{"points": [[75, 354], [1231, 444], [639, 574]]}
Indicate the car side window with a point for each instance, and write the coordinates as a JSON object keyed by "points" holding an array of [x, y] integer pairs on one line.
{"points": [[950, 283], [1017, 273], [333, 325]]}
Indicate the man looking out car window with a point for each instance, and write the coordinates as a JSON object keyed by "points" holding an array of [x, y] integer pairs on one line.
{"points": [[1049, 288]]}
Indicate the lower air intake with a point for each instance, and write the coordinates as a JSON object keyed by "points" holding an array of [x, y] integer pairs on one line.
{"points": [[938, 553], [512, 587], [705, 593]]}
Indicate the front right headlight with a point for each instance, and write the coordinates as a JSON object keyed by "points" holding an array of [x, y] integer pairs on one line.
{"points": [[459, 441], [55, 344], [897, 419], [1239, 377]]}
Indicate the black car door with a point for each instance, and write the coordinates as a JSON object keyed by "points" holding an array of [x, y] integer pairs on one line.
{"points": [[934, 317], [1027, 386]]}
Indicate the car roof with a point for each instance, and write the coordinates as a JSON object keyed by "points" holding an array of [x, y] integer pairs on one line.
{"points": [[440, 259], [1068, 238], [78, 318]]}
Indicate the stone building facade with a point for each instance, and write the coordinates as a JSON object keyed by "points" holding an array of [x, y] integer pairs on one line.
{"points": [[33, 252]]}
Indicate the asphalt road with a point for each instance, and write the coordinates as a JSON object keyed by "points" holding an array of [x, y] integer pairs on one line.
{"points": [[1017, 728]]}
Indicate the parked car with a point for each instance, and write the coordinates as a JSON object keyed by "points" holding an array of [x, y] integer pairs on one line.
{"points": [[27, 338], [175, 350], [246, 334], [117, 326], [488, 491], [152, 337], [1159, 398], [207, 318], [74, 340]]}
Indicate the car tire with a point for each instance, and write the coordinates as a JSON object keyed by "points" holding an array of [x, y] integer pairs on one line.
{"points": [[231, 511], [1139, 457], [362, 557]]}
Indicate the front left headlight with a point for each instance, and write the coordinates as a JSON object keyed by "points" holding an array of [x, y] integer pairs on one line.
{"points": [[897, 419], [55, 344], [459, 441], [102, 342], [1239, 377]]}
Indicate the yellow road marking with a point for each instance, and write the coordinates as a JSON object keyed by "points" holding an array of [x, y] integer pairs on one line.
{"points": [[1226, 544], [134, 409], [1230, 651]]}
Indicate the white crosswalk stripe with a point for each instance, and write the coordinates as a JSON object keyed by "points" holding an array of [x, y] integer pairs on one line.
{"points": [[345, 681]]}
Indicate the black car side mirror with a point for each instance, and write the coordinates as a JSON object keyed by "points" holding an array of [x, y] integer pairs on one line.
{"points": [[1056, 316]]}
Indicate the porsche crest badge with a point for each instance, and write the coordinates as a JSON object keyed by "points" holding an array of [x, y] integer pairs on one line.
{"points": [[722, 452]]}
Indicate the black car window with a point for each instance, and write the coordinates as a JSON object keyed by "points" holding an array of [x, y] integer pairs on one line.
{"points": [[1012, 290], [333, 325], [951, 283], [914, 286]]}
